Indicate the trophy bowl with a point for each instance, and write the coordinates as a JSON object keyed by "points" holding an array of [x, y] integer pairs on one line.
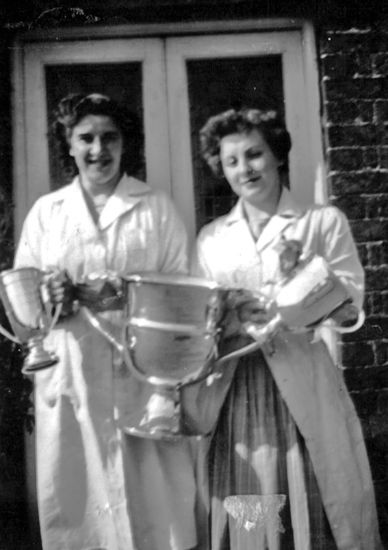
{"points": [[29, 314], [170, 336], [169, 339], [171, 326]]}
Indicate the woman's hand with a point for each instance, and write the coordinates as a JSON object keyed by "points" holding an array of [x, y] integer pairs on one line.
{"points": [[100, 293], [243, 307], [60, 290]]}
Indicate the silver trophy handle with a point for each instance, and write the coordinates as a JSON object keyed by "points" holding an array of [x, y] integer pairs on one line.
{"points": [[47, 305], [7, 334], [260, 335], [352, 328], [95, 322]]}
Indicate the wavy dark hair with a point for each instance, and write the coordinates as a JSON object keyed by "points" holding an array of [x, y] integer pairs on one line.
{"points": [[244, 120], [72, 108]]}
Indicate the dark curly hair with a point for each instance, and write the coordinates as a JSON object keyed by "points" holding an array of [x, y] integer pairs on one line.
{"points": [[244, 120], [72, 108]]}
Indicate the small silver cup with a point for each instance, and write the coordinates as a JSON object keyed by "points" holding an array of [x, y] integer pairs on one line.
{"points": [[29, 313]]}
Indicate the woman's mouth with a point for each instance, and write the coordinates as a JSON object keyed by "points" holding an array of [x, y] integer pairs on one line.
{"points": [[251, 181], [99, 163]]}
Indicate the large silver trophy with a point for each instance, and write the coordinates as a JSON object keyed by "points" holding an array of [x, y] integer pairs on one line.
{"points": [[171, 331], [30, 315], [169, 340]]}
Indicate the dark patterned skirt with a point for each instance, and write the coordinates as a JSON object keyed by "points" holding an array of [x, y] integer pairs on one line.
{"points": [[264, 493]]}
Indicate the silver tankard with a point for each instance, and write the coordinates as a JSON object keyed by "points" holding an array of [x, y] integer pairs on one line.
{"points": [[169, 340], [29, 314]]}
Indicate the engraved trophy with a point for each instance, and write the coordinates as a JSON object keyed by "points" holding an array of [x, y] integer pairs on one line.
{"points": [[169, 340], [30, 315]]}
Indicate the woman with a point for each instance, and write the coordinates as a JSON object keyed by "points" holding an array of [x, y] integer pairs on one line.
{"points": [[97, 486], [288, 435]]}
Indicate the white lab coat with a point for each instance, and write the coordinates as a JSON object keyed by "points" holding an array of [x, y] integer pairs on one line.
{"points": [[99, 488], [309, 382]]}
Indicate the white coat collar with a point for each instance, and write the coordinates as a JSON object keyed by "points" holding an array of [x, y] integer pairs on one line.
{"points": [[128, 193], [288, 210]]}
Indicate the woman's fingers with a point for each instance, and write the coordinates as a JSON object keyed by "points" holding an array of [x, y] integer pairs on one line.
{"points": [[253, 311], [60, 289]]}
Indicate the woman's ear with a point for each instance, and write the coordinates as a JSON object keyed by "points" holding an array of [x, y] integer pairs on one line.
{"points": [[68, 140]]}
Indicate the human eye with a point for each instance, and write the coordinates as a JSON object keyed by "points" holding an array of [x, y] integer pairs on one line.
{"points": [[229, 161], [85, 138], [111, 137], [254, 153]]}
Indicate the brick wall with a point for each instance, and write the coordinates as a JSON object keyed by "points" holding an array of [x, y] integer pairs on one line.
{"points": [[354, 82]]}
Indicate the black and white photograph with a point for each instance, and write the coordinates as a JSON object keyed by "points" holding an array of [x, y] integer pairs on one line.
{"points": [[194, 275]]}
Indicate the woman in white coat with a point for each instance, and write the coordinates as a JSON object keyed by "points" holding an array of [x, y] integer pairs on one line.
{"points": [[287, 435], [98, 487]]}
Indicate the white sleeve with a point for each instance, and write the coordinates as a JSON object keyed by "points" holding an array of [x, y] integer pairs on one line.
{"points": [[340, 251], [198, 264], [28, 252], [173, 242]]}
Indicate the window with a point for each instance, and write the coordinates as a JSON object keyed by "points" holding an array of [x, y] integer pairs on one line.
{"points": [[174, 83]]}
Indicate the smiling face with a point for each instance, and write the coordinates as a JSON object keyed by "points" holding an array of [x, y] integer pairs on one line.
{"points": [[251, 169], [96, 144]]}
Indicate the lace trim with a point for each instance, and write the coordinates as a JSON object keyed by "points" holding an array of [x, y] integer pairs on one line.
{"points": [[256, 511]]}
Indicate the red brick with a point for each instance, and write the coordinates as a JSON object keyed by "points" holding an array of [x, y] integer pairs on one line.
{"points": [[376, 278], [366, 403], [350, 135], [346, 159], [382, 352], [352, 206], [378, 253], [351, 111], [374, 328], [370, 157], [376, 303], [376, 206], [339, 66], [380, 63], [365, 181], [356, 88], [381, 110], [383, 156], [357, 354], [383, 404], [363, 253], [372, 378], [336, 42], [370, 230]]}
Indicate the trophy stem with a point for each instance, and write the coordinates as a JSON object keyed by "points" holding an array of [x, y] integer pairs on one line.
{"points": [[162, 415], [38, 358]]}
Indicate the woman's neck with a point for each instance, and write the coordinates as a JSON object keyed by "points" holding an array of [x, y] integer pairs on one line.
{"points": [[262, 210], [93, 190]]}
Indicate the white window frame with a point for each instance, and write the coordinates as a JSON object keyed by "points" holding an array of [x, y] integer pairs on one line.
{"points": [[305, 160]]}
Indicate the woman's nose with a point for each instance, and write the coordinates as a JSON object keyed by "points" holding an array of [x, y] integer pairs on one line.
{"points": [[245, 166], [97, 146]]}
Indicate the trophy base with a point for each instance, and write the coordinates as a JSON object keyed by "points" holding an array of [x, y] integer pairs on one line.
{"points": [[152, 434], [31, 368], [161, 418], [38, 358]]}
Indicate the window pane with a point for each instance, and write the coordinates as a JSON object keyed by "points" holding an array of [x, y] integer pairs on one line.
{"points": [[121, 81], [214, 86]]}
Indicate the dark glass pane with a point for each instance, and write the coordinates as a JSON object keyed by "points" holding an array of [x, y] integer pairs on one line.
{"points": [[216, 85], [121, 81]]}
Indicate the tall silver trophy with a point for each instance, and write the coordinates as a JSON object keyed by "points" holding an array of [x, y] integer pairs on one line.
{"points": [[29, 314], [169, 340]]}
